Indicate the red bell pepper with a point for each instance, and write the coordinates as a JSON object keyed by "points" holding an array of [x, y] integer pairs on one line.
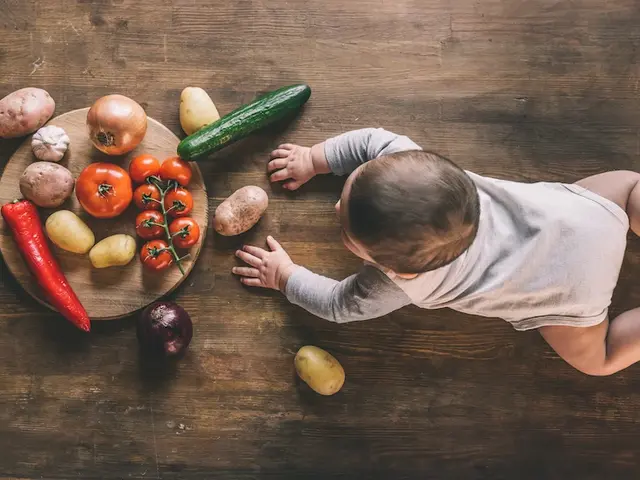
{"points": [[24, 221]]}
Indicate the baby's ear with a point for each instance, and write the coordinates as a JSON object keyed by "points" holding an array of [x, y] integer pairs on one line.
{"points": [[406, 276], [390, 273]]}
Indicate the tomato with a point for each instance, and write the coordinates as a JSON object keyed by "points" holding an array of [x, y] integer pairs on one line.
{"points": [[178, 202], [104, 190], [155, 255], [185, 232], [147, 197], [143, 167], [175, 168], [149, 224]]}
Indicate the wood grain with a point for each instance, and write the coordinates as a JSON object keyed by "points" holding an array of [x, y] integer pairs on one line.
{"points": [[107, 293], [523, 90]]}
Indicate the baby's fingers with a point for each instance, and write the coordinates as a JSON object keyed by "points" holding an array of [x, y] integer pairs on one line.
{"points": [[246, 271], [280, 153], [252, 282], [277, 164], [255, 251], [280, 175], [273, 243], [287, 146], [248, 258]]}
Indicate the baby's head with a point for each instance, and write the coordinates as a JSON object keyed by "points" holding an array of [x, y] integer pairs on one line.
{"points": [[410, 212]]}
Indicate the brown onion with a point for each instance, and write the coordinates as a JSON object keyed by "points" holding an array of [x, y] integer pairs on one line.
{"points": [[116, 124]]}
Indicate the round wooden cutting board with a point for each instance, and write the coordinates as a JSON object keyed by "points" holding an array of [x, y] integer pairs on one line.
{"points": [[114, 292]]}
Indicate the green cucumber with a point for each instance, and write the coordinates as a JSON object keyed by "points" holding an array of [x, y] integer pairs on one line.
{"points": [[243, 121]]}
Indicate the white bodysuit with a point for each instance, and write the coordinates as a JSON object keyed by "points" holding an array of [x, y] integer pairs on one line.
{"points": [[544, 254]]}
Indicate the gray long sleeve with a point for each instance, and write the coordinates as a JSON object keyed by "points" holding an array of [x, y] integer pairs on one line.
{"points": [[367, 294], [348, 151], [370, 293]]}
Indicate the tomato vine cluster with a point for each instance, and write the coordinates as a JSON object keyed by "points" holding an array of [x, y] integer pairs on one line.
{"points": [[166, 204]]}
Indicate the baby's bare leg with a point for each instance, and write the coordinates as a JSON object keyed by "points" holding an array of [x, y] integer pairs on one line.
{"points": [[609, 347], [621, 187], [603, 349]]}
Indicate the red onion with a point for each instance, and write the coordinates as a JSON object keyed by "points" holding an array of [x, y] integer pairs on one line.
{"points": [[164, 328]]}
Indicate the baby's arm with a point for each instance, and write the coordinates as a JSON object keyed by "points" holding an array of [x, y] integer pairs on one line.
{"points": [[296, 165], [348, 151], [368, 294]]}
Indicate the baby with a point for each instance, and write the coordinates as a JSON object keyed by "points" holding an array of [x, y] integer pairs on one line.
{"points": [[541, 256]]}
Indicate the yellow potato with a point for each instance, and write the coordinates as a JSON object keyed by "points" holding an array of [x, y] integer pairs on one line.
{"points": [[67, 231], [320, 370], [114, 251], [196, 110], [240, 211]]}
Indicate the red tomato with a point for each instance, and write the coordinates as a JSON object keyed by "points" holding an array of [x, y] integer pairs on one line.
{"points": [[104, 190], [149, 224], [175, 168], [143, 167], [185, 232], [178, 202], [155, 255], [147, 197]]}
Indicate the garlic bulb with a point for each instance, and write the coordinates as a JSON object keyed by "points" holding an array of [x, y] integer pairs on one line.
{"points": [[50, 143]]}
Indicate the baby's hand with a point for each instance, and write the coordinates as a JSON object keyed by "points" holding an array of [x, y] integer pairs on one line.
{"points": [[267, 269], [296, 165]]}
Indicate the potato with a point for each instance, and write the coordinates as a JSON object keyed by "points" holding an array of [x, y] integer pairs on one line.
{"points": [[46, 184], [320, 370], [240, 211], [196, 110], [114, 251], [67, 231], [25, 111]]}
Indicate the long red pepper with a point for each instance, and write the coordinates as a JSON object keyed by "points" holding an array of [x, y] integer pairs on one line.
{"points": [[22, 216]]}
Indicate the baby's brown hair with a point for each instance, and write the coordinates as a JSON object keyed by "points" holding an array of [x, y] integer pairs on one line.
{"points": [[413, 211]]}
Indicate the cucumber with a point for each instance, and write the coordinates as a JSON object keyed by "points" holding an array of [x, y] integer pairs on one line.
{"points": [[243, 121]]}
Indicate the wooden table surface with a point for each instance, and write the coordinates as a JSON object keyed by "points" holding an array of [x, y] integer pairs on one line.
{"points": [[525, 90]]}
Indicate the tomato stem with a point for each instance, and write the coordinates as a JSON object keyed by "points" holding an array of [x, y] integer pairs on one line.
{"points": [[146, 198], [165, 224], [103, 189], [183, 232], [178, 205], [150, 223]]}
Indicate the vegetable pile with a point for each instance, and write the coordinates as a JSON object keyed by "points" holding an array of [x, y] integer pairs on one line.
{"points": [[116, 125]]}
